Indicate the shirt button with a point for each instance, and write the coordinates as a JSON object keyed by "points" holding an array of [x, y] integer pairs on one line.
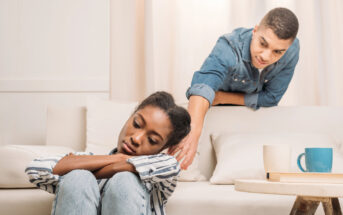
{"points": [[235, 79], [243, 81], [265, 81]]}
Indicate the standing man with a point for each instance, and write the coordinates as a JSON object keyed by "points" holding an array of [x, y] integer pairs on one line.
{"points": [[251, 67]]}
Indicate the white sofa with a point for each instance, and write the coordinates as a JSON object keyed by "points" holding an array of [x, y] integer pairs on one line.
{"points": [[67, 131]]}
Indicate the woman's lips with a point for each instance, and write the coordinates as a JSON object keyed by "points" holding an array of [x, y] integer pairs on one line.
{"points": [[128, 149]]}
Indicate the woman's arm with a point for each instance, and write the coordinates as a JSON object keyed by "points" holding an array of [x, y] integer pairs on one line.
{"points": [[159, 171], [40, 172], [87, 162], [120, 165]]}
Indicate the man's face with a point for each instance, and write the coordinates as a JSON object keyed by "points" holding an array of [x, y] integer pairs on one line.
{"points": [[145, 132], [266, 48]]}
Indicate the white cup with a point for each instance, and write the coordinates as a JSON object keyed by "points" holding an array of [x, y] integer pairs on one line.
{"points": [[277, 158]]}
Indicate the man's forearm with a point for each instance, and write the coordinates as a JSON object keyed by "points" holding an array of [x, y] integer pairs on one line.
{"points": [[197, 108], [229, 98]]}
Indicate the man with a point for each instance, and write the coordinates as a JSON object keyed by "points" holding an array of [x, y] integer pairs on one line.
{"points": [[251, 67]]}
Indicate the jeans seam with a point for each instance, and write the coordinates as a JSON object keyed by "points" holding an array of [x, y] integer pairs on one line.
{"points": [[55, 202]]}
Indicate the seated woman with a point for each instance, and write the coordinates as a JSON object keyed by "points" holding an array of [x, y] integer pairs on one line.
{"points": [[135, 178]]}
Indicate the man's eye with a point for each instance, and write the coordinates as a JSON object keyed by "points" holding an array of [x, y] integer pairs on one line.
{"points": [[151, 141], [263, 44], [135, 124], [278, 52]]}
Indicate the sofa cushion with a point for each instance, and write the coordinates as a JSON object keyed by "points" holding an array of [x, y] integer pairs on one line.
{"points": [[15, 158], [203, 198], [25, 201], [66, 126], [240, 155], [105, 120]]}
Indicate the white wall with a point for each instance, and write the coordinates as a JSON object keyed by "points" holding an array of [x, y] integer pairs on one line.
{"points": [[51, 53]]}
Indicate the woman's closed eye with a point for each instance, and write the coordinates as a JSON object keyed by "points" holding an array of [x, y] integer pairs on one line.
{"points": [[152, 141], [136, 124]]}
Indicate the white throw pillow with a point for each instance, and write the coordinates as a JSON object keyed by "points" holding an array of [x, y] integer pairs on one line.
{"points": [[240, 155], [105, 119]]}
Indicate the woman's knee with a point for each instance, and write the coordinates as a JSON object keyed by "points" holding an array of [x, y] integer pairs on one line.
{"points": [[125, 184], [78, 181], [124, 189]]}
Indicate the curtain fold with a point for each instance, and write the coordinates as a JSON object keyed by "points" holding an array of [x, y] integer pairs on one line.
{"points": [[158, 45]]}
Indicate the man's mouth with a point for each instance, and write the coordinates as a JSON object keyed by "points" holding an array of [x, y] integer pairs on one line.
{"points": [[261, 62], [128, 149]]}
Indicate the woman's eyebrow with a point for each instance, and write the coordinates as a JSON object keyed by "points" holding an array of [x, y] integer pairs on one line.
{"points": [[153, 131]]}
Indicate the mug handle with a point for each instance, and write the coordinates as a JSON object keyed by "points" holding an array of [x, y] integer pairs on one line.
{"points": [[299, 164]]}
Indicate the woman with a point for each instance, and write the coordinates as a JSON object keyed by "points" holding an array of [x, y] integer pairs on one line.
{"points": [[135, 178]]}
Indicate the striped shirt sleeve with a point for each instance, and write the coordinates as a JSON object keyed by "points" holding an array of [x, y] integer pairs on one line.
{"points": [[40, 173], [158, 171]]}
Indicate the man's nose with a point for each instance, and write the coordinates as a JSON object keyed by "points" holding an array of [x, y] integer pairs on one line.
{"points": [[137, 138], [266, 55]]}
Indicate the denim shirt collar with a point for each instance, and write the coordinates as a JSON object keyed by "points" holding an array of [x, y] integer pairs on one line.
{"points": [[246, 47]]}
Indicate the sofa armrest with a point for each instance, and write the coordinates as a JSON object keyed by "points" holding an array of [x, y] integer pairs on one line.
{"points": [[15, 158]]}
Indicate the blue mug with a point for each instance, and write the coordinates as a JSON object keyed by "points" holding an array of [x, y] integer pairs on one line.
{"points": [[316, 160]]}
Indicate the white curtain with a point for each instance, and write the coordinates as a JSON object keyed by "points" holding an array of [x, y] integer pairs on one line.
{"points": [[159, 44]]}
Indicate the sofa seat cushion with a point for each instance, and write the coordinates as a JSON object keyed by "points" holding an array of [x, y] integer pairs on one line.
{"points": [[25, 201], [203, 198], [15, 158]]}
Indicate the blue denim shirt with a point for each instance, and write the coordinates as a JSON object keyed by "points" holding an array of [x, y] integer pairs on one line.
{"points": [[229, 68]]}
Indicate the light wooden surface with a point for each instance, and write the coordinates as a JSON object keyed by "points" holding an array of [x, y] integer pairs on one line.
{"points": [[309, 195], [282, 188]]}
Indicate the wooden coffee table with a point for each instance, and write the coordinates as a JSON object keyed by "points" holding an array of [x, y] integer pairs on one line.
{"points": [[309, 195]]}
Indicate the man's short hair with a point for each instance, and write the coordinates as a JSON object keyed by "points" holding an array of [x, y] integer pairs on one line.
{"points": [[283, 22]]}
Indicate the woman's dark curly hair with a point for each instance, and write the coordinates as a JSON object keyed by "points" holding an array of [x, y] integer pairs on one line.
{"points": [[178, 116]]}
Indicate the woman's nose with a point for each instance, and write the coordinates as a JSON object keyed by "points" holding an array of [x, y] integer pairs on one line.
{"points": [[137, 138]]}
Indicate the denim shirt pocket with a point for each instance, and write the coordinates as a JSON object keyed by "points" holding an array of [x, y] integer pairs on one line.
{"points": [[240, 81]]}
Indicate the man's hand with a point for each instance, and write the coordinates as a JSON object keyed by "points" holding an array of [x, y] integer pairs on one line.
{"points": [[187, 149]]}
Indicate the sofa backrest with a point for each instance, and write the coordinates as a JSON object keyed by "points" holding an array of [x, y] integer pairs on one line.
{"points": [[224, 119], [67, 126]]}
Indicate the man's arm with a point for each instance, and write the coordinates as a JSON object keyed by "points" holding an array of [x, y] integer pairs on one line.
{"points": [[197, 109], [228, 98], [201, 95]]}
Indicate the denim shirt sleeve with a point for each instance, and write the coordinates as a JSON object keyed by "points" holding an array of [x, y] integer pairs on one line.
{"points": [[213, 72], [274, 89]]}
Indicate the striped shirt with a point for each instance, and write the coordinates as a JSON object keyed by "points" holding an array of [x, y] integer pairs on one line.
{"points": [[158, 174]]}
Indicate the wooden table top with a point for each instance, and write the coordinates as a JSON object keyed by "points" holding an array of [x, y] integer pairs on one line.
{"points": [[283, 188]]}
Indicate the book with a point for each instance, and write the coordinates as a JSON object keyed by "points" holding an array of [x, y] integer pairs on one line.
{"points": [[305, 177]]}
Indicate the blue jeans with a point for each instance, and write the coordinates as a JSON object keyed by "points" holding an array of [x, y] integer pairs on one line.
{"points": [[78, 193]]}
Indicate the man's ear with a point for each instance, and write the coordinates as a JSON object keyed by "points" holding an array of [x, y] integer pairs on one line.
{"points": [[255, 29]]}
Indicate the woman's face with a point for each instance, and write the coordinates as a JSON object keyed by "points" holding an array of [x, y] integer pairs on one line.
{"points": [[145, 132]]}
